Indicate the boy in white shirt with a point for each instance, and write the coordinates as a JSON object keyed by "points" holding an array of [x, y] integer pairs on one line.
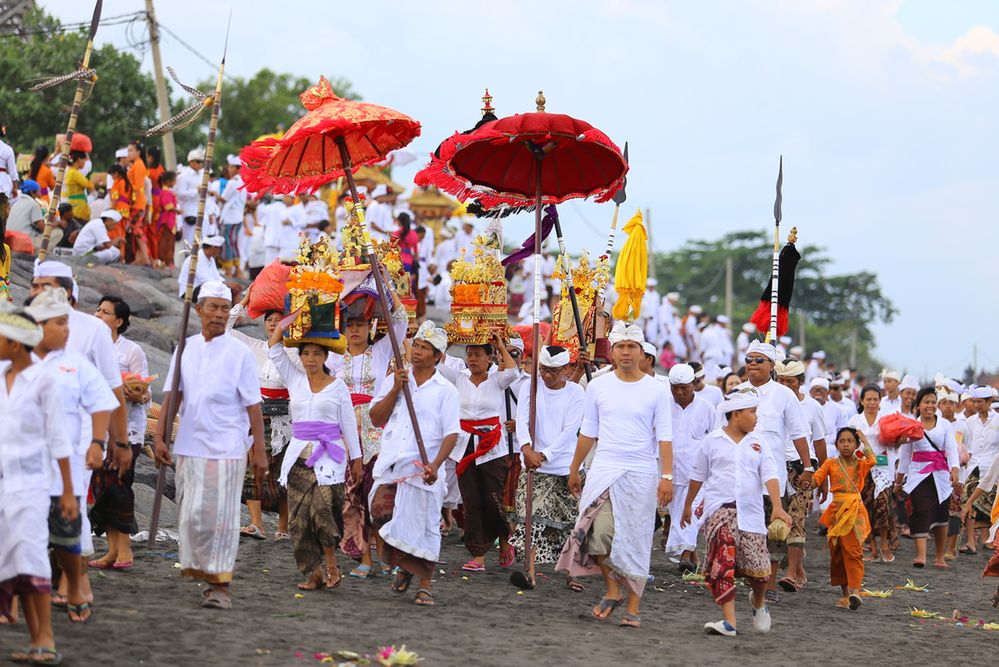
{"points": [[93, 238], [734, 466]]}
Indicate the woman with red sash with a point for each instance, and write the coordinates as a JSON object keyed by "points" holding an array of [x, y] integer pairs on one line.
{"points": [[363, 366], [484, 464], [277, 428]]}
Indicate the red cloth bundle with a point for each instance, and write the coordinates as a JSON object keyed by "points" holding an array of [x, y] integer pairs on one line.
{"points": [[269, 289], [897, 427], [526, 332], [19, 242]]}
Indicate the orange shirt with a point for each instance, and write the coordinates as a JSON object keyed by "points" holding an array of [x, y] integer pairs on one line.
{"points": [[45, 178], [137, 177], [846, 512], [154, 175], [121, 200]]}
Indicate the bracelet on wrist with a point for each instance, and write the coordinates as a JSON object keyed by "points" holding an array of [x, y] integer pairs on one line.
{"points": [[100, 443], [122, 445]]}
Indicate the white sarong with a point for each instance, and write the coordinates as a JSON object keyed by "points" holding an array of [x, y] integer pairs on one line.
{"points": [[24, 534], [416, 516], [208, 495], [683, 539]]}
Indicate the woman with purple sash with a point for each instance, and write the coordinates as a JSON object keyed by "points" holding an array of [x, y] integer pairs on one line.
{"points": [[323, 439]]}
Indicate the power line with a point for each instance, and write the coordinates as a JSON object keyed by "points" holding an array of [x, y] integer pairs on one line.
{"points": [[204, 58], [120, 19]]}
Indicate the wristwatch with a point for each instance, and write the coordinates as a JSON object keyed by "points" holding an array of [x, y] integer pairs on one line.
{"points": [[808, 469], [668, 477]]}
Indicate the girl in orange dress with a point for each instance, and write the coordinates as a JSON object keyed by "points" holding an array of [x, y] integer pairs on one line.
{"points": [[120, 196], [846, 517], [137, 250]]}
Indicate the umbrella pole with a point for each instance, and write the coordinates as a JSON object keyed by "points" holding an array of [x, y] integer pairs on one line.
{"points": [[383, 297], [535, 357], [566, 264], [172, 405], [53, 211]]}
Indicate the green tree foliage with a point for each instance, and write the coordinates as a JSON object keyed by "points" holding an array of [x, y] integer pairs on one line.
{"points": [[836, 308], [123, 100], [265, 103]]}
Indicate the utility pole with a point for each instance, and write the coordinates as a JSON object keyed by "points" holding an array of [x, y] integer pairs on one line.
{"points": [[162, 101], [728, 288], [652, 246], [853, 350]]}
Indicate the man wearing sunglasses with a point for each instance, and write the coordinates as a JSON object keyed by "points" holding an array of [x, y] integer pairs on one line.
{"points": [[780, 418]]}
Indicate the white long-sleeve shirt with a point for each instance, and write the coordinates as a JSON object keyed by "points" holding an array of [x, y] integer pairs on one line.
{"points": [[559, 414], [186, 191], [943, 435], [233, 201], [983, 444], [482, 401], [690, 425], [331, 405], [735, 473], [779, 418], [205, 270], [34, 428]]}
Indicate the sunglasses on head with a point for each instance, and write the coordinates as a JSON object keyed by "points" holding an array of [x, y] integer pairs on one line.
{"points": [[756, 360]]}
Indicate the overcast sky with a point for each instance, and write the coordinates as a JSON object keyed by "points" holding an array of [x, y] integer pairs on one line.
{"points": [[884, 110]]}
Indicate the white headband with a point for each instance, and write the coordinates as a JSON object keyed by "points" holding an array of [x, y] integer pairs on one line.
{"points": [[52, 269], [819, 382], [517, 343], [21, 329], [681, 374], [214, 289], [766, 349], [740, 400], [623, 331], [792, 368], [432, 334], [49, 303], [649, 349], [557, 360], [981, 392]]}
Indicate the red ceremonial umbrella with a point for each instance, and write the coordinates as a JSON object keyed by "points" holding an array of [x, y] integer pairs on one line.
{"points": [[332, 140], [549, 158]]}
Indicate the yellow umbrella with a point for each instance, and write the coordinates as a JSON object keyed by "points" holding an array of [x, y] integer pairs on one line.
{"points": [[632, 270]]}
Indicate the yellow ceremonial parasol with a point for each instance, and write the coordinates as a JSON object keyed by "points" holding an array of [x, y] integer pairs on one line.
{"points": [[632, 270]]}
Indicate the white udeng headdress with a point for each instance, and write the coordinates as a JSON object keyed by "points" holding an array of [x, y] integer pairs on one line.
{"points": [[432, 334], [623, 331], [554, 360]]}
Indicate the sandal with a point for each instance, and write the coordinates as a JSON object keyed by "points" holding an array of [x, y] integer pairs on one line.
{"points": [[788, 585], [123, 566], [941, 566], [252, 531], [59, 601], [79, 610], [424, 598], [332, 583], [631, 621], [843, 603], [891, 559], [968, 550], [362, 571], [280, 536], [605, 608], [507, 556], [401, 582], [855, 602], [574, 585], [100, 564], [772, 597], [473, 566], [215, 599], [313, 582], [918, 564], [21, 656], [44, 656]]}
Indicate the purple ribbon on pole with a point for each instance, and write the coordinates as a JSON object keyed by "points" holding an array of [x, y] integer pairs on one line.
{"points": [[527, 247], [325, 434]]}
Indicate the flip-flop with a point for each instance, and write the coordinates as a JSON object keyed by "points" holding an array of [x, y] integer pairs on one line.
{"points": [[918, 564], [788, 585], [21, 656], [44, 656], [843, 603], [508, 556], [574, 585], [607, 605], [941, 566], [473, 566], [424, 598], [968, 550], [59, 601], [214, 599], [362, 571], [252, 531], [401, 582], [124, 566], [280, 536], [631, 621], [330, 585], [100, 565], [79, 610], [888, 560], [855, 602]]}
